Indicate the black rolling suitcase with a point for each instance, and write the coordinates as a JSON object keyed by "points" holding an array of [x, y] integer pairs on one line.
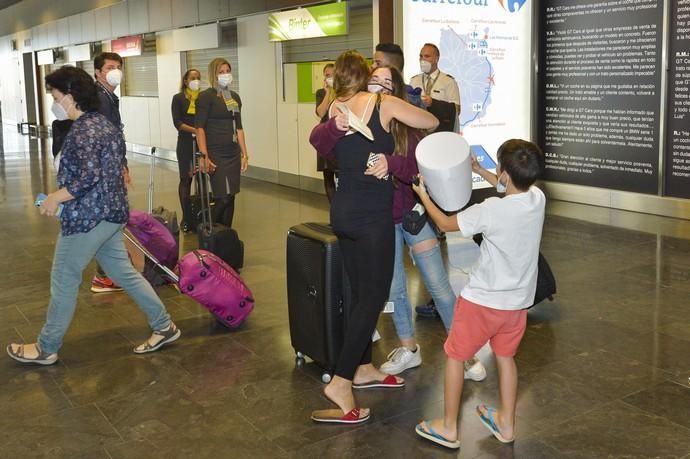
{"points": [[317, 300], [196, 201], [215, 237]]}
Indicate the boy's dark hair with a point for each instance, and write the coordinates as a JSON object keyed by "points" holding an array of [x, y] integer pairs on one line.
{"points": [[99, 60], [522, 160], [75, 81], [394, 53]]}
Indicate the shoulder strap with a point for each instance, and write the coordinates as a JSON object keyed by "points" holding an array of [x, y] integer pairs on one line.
{"points": [[366, 108]]}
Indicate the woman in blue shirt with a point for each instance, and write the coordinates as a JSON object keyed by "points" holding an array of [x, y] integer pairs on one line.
{"points": [[92, 189]]}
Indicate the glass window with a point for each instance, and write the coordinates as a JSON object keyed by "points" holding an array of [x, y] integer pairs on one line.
{"points": [[140, 77], [199, 59]]}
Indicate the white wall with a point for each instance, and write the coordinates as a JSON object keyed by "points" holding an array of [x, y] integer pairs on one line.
{"points": [[169, 76], [258, 87], [12, 81]]}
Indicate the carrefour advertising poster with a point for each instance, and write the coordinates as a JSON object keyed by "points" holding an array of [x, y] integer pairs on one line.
{"points": [[486, 46]]}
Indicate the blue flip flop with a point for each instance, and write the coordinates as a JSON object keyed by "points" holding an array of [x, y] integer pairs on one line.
{"points": [[490, 423], [431, 435]]}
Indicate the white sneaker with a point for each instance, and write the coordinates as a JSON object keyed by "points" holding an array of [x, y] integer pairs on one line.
{"points": [[401, 359], [474, 370]]}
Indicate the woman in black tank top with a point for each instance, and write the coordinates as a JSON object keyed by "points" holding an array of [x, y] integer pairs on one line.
{"points": [[361, 215]]}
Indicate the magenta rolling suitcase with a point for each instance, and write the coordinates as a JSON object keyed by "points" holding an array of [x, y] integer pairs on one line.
{"points": [[209, 280], [154, 236], [213, 283]]}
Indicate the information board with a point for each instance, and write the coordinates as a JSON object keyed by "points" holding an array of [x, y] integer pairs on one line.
{"points": [[677, 156], [486, 46], [600, 77]]}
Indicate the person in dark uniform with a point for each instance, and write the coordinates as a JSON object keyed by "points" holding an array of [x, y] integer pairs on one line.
{"points": [[183, 109], [362, 219], [221, 139], [324, 97]]}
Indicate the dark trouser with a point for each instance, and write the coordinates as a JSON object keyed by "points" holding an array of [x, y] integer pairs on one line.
{"points": [[185, 163], [368, 254], [224, 210], [329, 177], [184, 191]]}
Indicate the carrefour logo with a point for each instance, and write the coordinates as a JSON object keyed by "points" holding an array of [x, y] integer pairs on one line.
{"points": [[512, 5]]}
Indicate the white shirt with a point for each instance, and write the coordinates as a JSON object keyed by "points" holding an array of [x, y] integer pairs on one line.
{"points": [[443, 86], [505, 276]]}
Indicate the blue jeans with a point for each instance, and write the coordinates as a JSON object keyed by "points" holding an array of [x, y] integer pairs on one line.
{"points": [[72, 254], [434, 275]]}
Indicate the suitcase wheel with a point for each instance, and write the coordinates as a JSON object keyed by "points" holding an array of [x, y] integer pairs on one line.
{"points": [[299, 359]]}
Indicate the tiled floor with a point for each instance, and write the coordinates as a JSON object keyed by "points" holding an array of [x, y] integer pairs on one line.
{"points": [[603, 369]]}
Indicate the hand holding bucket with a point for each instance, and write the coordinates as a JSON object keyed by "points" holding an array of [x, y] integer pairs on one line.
{"points": [[445, 162]]}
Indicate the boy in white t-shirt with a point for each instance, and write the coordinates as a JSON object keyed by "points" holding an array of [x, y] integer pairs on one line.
{"points": [[492, 307]]}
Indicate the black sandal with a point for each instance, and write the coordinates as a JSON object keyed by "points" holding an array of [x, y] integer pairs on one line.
{"points": [[43, 358]]}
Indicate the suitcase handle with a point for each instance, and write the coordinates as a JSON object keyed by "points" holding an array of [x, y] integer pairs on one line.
{"points": [[200, 257], [203, 187], [152, 167]]}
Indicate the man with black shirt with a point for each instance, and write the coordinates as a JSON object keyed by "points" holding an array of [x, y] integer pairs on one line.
{"points": [[108, 72]]}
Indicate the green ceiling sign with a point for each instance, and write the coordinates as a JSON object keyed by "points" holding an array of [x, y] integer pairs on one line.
{"points": [[314, 21]]}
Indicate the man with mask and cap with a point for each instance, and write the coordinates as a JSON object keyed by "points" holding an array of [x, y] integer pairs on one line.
{"points": [[440, 92], [108, 72]]}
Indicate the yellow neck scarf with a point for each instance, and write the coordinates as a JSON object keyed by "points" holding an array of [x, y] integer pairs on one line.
{"points": [[192, 96]]}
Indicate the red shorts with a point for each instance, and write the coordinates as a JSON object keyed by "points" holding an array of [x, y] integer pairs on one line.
{"points": [[474, 325]]}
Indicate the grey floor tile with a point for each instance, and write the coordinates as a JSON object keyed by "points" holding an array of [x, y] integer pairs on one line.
{"points": [[80, 432], [618, 430], [666, 399], [603, 368]]}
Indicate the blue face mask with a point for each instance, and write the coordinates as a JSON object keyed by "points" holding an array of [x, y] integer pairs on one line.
{"points": [[501, 187]]}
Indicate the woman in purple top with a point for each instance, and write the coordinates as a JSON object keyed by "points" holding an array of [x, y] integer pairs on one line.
{"points": [[424, 247], [91, 188]]}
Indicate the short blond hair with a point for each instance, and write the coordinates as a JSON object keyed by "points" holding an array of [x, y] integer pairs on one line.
{"points": [[213, 67]]}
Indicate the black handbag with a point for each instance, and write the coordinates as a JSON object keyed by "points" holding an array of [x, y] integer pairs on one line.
{"points": [[415, 219]]}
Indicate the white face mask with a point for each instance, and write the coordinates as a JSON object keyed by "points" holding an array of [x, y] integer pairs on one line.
{"points": [[501, 187], [225, 80], [114, 77], [58, 110], [194, 85], [329, 82], [376, 88], [425, 66]]}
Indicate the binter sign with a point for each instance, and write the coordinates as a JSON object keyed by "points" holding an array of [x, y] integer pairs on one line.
{"points": [[315, 21]]}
